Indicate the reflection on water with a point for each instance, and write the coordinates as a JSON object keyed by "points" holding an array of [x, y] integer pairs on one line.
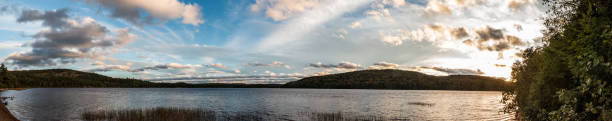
{"points": [[285, 104]]}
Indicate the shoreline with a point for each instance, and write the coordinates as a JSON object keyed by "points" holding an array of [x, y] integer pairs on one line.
{"points": [[5, 114]]}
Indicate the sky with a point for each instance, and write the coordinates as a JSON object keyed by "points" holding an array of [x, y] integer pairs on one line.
{"points": [[266, 41]]}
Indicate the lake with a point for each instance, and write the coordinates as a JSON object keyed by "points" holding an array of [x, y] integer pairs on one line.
{"points": [[274, 104]]}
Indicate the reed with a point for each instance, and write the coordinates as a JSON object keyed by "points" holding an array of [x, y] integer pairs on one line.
{"points": [[339, 116], [151, 114], [190, 114]]}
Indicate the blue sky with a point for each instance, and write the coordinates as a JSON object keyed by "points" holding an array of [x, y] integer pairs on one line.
{"points": [[266, 41]]}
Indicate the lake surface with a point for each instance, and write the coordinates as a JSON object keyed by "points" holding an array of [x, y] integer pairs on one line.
{"points": [[276, 104]]}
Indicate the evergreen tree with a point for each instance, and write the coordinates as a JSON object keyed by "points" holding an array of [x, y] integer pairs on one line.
{"points": [[3, 73]]}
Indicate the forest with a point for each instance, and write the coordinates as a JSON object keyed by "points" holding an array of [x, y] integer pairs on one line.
{"points": [[399, 79], [568, 77], [366, 79], [63, 78]]}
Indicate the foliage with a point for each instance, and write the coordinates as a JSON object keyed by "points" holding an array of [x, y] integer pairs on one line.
{"points": [[567, 78], [5, 77], [398, 79]]}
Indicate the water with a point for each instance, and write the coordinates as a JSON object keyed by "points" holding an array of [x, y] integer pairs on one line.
{"points": [[280, 104]]}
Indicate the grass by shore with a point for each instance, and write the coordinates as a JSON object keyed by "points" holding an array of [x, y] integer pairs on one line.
{"points": [[152, 114], [191, 114]]}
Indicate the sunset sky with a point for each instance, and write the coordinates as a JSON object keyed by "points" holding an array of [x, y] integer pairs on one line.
{"points": [[266, 41]]}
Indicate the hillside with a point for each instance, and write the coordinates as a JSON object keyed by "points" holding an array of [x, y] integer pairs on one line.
{"points": [[66, 78], [72, 78], [366, 79], [398, 79]]}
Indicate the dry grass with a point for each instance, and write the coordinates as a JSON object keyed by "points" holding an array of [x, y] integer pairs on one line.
{"points": [[152, 114], [182, 114], [338, 116]]}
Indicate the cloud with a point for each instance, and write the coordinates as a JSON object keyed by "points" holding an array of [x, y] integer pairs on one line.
{"points": [[384, 65], [216, 65], [10, 44], [499, 65], [455, 33], [295, 29], [252, 79], [486, 38], [162, 10], [66, 39], [380, 9], [394, 3], [392, 40], [273, 64], [449, 71], [435, 6], [322, 73], [430, 32], [459, 71], [459, 33], [340, 66], [269, 73], [109, 68], [518, 27], [340, 34], [445, 7], [279, 10], [52, 18], [215, 72], [355, 25], [9, 8], [515, 5], [103, 67], [167, 66], [489, 33], [492, 39]]}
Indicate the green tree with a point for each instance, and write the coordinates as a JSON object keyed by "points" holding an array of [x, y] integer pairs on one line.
{"points": [[567, 78], [3, 72]]}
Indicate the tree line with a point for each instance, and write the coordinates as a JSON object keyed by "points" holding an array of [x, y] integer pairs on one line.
{"points": [[62, 78], [398, 79], [569, 76], [366, 79]]}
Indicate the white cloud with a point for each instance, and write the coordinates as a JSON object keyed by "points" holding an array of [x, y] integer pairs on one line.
{"points": [[167, 66], [130, 10], [217, 65], [435, 6], [101, 67], [392, 40], [306, 23], [10, 44], [273, 64], [384, 65], [343, 66], [283, 9], [355, 25], [515, 5]]}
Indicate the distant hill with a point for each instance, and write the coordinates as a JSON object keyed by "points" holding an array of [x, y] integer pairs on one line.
{"points": [[66, 78], [366, 79], [398, 79], [73, 78]]}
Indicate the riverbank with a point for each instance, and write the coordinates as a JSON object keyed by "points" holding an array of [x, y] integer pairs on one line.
{"points": [[5, 114]]}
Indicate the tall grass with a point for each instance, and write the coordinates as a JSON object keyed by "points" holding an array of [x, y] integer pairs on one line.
{"points": [[189, 114], [151, 114], [339, 116]]}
